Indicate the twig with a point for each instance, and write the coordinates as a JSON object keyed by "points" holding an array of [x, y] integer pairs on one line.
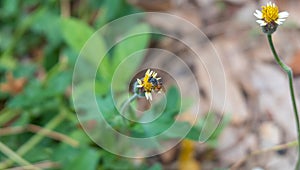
{"points": [[12, 130], [258, 152], [36, 129], [15, 157], [37, 137], [65, 8]]}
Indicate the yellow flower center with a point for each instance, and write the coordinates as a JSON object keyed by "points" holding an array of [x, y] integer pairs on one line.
{"points": [[270, 13], [147, 85]]}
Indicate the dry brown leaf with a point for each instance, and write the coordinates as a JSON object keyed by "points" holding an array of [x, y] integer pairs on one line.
{"points": [[13, 85], [154, 5]]}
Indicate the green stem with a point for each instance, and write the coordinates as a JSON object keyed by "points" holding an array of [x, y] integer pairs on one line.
{"points": [[6, 115], [125, 105], [14, 156], [289, 72]]}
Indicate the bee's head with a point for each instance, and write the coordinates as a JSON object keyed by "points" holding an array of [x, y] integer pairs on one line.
{"points": [[153, 80]]}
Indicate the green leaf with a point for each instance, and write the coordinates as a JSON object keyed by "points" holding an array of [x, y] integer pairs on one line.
{"points": [[58, 83], [178, 130], [25, 70], [48, 24], [107, 107], [35, 98], [156, 166], [109, 65], [23, 120], [132, 44], [126, 52], [9, 8], [111, 10], [194, 134], [213, 139], [174, 101], [75, 32], [76, 158], [166, 119], [87, 159], [121, 64], [208, 129], [81, 137], [71, 56], [81, 38], [111, 162]]}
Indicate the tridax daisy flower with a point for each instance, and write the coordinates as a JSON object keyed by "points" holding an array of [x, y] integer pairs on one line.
{"points": [[270, 17], [149, 83]]}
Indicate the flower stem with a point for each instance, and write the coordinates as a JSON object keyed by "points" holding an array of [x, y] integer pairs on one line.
{"points": [[123, 109], [125, 105], [289, 72]]}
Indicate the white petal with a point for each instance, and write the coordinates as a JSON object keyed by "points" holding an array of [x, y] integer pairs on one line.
{"points": [[139, 85], [283, 14], [150, 96], [278, 22], [280, 19], [258, 14], [261, 22], [146, 95], [139, 81], [147, 72], [154, 74]]}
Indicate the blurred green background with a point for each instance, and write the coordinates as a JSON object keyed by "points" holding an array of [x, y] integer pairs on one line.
{"points": [[39, 44]]}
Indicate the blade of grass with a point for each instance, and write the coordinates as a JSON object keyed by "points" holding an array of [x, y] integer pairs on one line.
{"points": [[42, 165], [6, 115], [36, 129], [15, 157]]}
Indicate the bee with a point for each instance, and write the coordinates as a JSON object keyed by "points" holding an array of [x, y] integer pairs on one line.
{"points": [[156, 82]]}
